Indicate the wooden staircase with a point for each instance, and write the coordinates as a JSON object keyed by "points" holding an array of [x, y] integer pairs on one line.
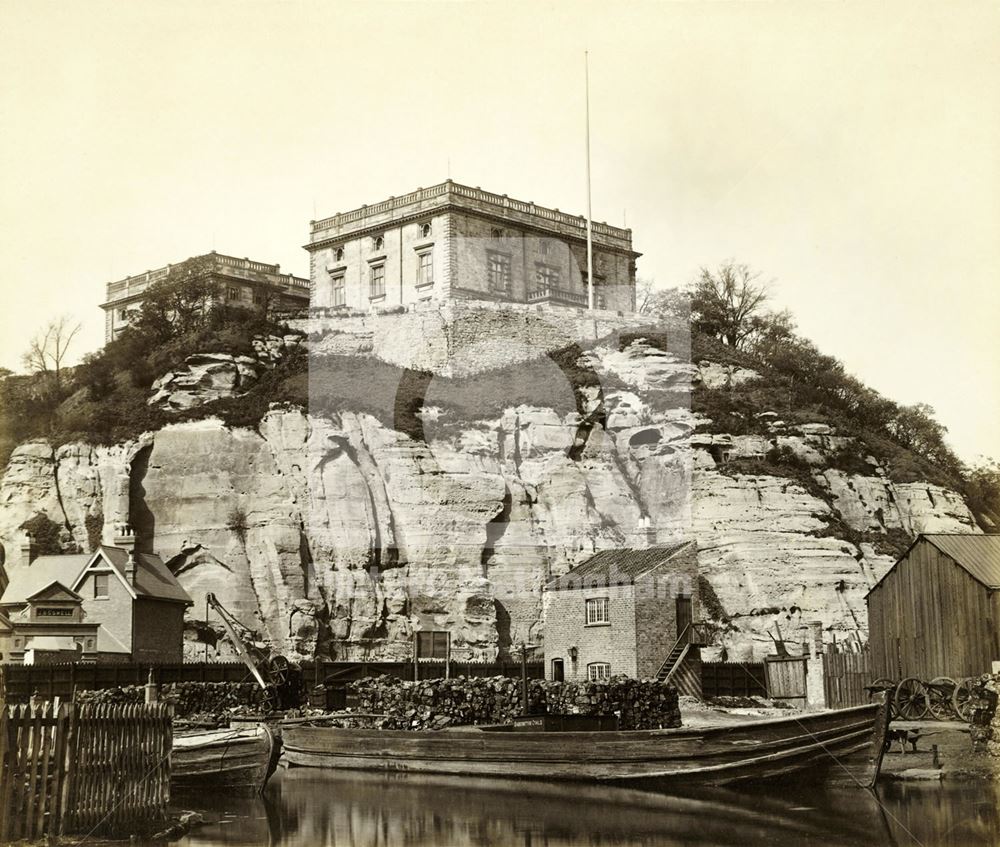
{"points": [[684, 674]]}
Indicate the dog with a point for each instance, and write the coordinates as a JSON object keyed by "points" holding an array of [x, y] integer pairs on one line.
{"points": [[904, 737]]}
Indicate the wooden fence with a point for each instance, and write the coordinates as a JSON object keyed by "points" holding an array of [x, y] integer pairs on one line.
{"points": [[18, 683], [733, 679], [83, 768], [845, 676]]}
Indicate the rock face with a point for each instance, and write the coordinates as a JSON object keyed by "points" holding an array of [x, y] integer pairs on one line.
{"points": [[341, 535], [214, 376]]}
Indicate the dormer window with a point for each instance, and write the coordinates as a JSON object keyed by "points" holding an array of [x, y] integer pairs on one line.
{"points": [[378, 242], [338, 254], [425, 230]]}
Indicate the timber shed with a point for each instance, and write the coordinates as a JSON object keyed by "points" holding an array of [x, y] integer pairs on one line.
{"points": [[936, 612]]}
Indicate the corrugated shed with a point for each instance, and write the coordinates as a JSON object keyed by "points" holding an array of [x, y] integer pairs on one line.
{"points": [[615, 567], [978, 554]]}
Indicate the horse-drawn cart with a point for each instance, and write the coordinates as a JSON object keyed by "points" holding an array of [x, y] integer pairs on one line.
{"points": [[912, 699]]}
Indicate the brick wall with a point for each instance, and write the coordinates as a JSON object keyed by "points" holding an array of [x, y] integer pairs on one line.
{"points": [[656, 609], [114, 614], [159, 631], [566, 626]]}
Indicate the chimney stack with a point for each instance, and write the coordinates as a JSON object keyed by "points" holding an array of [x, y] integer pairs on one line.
{"points": [[130, 568], [27, 549], [124, 538]]}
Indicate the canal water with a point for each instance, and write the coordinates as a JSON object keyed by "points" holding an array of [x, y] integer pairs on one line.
{"points": [[313, 808]]}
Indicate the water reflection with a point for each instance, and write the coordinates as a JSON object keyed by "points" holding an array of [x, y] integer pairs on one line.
{"points": [[311, 808]]}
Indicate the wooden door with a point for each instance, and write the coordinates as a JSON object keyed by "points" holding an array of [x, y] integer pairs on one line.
{"points": [[683, 615], [557, 670]]}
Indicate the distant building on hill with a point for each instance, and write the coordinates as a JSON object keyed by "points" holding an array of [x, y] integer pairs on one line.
{"points": [[452, 241], [626, 611], [242, 282], [110, 605]]}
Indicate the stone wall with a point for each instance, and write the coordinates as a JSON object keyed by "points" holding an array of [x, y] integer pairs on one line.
{"points": [[459, 338], [438, 703]]}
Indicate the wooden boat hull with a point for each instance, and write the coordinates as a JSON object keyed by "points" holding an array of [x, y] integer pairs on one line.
{"points": [[849, 741], [229, 759]]}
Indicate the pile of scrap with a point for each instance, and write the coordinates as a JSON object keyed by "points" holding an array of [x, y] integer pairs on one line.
{"points": [[462, 701], [204, 700]]}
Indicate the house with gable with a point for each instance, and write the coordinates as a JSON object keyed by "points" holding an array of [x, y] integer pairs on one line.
{"points": [[629, 611], [110, 605]]}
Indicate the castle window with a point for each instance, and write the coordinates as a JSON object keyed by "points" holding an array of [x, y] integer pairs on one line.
{"points": [[496, 234], [425, 230], [101, 586], [425, 268], [233, 293], [378, 242], [258, 297], [123, 314], [598, 672], [543, 245], [498, 272], [547, 276], [339, 291], [598, 611], [376, 281], [338, 254]]}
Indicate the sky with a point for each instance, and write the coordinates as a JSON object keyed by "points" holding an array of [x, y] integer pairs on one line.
{"points": [[849, 152]]}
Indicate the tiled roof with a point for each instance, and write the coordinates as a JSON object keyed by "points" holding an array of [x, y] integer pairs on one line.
{"points": [[26, 580], [152, 578], [978, 554], [622, 566]]}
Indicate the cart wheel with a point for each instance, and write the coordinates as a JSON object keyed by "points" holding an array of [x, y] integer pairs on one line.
{"points": [[884, 685], [939, 694], [911, 699], [961, 698]]}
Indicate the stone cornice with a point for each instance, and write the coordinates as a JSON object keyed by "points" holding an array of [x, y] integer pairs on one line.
{"points": [[382, 226], [454, 196]]}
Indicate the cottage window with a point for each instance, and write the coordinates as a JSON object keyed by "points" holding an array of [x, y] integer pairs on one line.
{"points": [[425, 268], [547, 276], [378, 242], [100, 586], [339, 291], [376, 282], [598, 672], [425, 230], [432, 645], [597, 611], [498, 273]]}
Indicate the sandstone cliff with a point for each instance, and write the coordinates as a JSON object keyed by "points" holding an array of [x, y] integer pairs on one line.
{"points": [[339, 533]]}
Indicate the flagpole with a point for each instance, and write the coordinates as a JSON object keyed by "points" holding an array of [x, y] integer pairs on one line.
{"points": [[590, 239]]}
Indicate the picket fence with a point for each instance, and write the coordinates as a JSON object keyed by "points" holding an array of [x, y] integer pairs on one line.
{"points": [[70, 768]]}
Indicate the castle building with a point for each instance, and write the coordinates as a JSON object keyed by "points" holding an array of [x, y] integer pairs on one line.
{"points": [[242, 282], [452, 241]]}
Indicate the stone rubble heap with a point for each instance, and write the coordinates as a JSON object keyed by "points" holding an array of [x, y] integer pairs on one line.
{"points": [[439, 703], [208, 699]]}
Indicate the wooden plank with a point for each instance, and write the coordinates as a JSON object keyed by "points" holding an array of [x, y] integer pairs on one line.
{"points": [[6, 777]]}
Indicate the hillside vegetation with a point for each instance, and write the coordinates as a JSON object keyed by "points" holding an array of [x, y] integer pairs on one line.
{"points": [[104, 400]]}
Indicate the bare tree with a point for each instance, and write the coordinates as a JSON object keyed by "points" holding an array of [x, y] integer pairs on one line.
{"points": [[48, 349], [724, 303]]}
